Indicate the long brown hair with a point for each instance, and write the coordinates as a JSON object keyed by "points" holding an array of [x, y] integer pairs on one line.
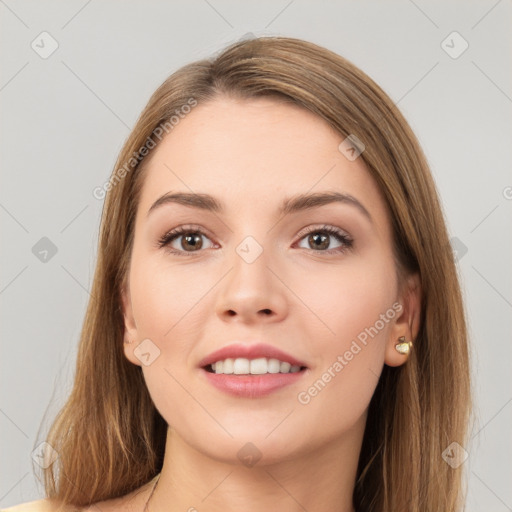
{"points": [[109, 436]]}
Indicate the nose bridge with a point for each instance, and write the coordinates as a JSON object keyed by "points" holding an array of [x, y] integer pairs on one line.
{"points": [[250, 289]]}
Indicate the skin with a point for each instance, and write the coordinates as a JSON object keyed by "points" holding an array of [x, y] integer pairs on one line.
{"points": [[251, 155]]}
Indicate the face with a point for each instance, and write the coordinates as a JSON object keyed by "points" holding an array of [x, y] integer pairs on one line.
{"points": [[317, 283]]}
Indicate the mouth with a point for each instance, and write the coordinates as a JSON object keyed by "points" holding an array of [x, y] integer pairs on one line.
{"points": [[254, 378], [251, 370], [252, 367]]}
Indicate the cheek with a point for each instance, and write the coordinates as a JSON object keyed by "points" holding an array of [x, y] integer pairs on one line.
{"points": [[344, 301], [358, 312], [360, 307], [167, 305], [165, 297]]}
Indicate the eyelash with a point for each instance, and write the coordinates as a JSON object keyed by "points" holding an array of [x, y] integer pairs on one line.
{"points": [[339, 235]]}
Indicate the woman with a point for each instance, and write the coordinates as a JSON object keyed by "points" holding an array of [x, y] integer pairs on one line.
{"points": [[276, 320]]}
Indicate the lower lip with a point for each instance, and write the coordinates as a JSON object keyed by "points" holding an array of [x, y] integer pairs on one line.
{"points": [[252, 386]]}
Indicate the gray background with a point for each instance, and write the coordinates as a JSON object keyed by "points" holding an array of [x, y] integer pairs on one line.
{"points": [[65, 117]]}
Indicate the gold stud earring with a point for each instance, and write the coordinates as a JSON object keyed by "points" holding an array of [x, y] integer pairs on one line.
{"points": [[404, 347]]}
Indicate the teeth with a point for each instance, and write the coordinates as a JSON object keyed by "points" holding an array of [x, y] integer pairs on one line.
{"points": [[228, 366], [285, 367], [259, 366], [273, 366], [240, 366]]}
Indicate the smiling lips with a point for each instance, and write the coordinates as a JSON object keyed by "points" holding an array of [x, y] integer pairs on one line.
{"points": [[251, 370]]}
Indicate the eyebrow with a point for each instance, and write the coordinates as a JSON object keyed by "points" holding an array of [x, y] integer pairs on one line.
{"points": [[294, 204]]}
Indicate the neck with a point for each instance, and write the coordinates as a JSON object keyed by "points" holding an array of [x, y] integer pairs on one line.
{"points": [[321, 480]]}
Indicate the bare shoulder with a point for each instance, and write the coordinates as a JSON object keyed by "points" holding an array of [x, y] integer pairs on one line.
{"points": [[44, 505], [47, 505], [124, 503], [132, 502]]}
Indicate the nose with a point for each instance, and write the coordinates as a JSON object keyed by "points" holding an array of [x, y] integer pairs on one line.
{"points": [[252, 291]]}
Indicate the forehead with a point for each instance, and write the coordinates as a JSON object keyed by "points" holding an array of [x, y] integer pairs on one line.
{"points": [[253, 153]]}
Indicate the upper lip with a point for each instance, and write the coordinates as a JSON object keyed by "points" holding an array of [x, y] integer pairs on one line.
{"points": [[254, 351]]}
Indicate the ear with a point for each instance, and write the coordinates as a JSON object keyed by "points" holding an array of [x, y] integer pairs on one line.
{"points": [[130, 327], [407, 322]]}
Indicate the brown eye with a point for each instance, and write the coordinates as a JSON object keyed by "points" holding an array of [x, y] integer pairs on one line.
{"points": [[183, 240], [193, 241], [320, 239]]}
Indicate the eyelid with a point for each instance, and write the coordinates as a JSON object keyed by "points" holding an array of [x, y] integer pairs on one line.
{"points": [[340, 234], [322, 227]]}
